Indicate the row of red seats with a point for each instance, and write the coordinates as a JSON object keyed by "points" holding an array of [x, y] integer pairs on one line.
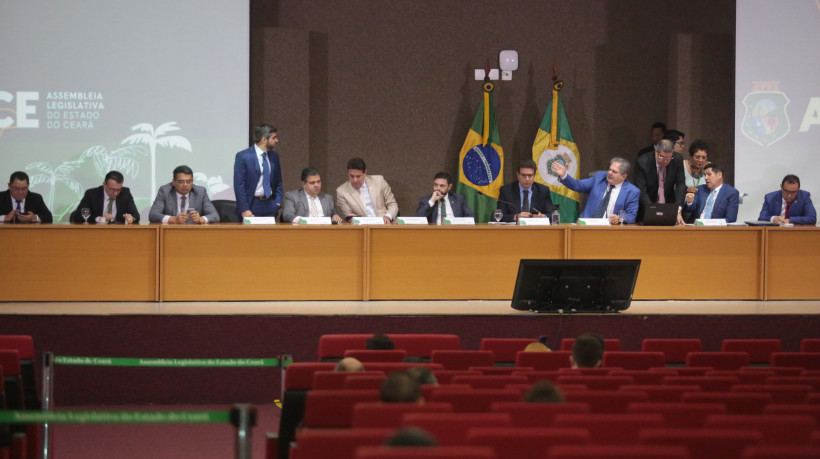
{"points": [[18, 391]]}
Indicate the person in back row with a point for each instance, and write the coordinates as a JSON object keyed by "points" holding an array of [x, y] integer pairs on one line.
{"points": [[587, 351]]}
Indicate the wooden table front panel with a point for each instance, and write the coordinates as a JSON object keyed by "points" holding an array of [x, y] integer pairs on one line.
{"points": [[681, 263], [79, 262], [257, 263], [479, 262], [793, 263]]}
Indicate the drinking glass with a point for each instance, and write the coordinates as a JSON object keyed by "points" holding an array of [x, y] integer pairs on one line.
{"points": [[497, 214], [85, 212], [621, 217]]}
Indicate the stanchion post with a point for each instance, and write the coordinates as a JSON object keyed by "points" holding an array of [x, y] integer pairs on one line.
{"points": [[282, 359], [243, 417], [47, 397]]}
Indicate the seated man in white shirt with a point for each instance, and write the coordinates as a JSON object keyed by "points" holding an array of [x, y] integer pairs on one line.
{"points": [[309, 201], [441, 203], [365, 195]]}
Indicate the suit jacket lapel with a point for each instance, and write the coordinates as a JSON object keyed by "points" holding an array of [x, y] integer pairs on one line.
{"points": [[303, 201]]}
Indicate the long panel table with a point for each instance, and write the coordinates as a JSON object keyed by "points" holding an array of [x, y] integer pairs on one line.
{"points": [[232, 262]]}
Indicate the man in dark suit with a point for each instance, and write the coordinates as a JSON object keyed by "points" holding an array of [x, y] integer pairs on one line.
{"points": [[715, 199], [661, 171], [441, 203], [257, 176], [656, 132], [19, 205], [609, 191], [525, 198], [789, 205], [108, 203], [181, 202], [309, 201]]}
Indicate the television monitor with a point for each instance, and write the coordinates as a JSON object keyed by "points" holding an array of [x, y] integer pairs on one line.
{"points": [[575, 285]]}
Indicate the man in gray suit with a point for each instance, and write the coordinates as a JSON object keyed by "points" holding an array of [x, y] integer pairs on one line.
{"points": [[442, 203], [309, 201], [181, 202]]}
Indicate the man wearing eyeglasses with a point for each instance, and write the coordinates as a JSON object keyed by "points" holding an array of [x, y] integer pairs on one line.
{"points": [[181, 202], [677, 137], [19, 205], [525, 198], [660, 177], [789, 205]]}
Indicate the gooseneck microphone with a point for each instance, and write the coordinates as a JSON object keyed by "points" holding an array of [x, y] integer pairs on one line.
{"points": [[533, 210]]}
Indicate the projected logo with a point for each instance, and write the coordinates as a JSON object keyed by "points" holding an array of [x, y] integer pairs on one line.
{"points": [[765, 121], [66, 110], [562, 155]]}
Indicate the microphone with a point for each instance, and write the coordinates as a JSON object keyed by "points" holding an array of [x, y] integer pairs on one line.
{"points": [[533, 210]]}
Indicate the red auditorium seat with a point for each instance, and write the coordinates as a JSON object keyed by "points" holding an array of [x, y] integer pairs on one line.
{"points": [[504, 349], [718, 360], [498, 371], [299, 375], [462, 360], [335, 443], [333, 346], [813, 381], [364, 355], [535, 376], [674, 349], [525, 442], [736, 402], [12, 379], [690, 371], [743, 377], [446, 376], [324, 380], [610, 344], [334, 408], [634, 360], [791, 408], [24, 345], [525, 414], [663, 393], [678, 414], [474, 400], [706, 383], [389, 367], [759, 350], [543, 361], [704, 443], [777, 429], [781, 393], [587, 371], [611, 429], [781, 452], [489, 381], [617, 452], [378, 414], [805, 360], [606, 401], [359, 382], [451, 428], [439, 452], [778, 371], [810, 345], [596, 382], [645, 376]]}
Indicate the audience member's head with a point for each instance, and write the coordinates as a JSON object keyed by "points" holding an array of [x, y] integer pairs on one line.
{"points": [[411, 436], [400, 387], [423, 375], [349, 364], [587, 351], [544, 392], [536, 347], [379, 342]]}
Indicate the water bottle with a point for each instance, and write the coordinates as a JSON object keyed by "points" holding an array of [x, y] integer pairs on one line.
{"points": [[555, 219]]}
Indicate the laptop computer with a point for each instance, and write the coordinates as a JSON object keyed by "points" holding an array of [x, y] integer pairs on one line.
{"points": [[660, 214]]}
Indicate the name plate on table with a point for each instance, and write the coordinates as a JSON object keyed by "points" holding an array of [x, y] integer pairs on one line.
{"points": [[315, 221], [710, 222], [594, 221], [459, 221], [368, 220], [534, 221], [412, 221], [259, 220]]}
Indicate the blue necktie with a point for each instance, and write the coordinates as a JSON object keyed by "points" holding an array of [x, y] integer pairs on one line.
{"points": [[19, 210], [266, 175], [707, 213], [601, 209]]}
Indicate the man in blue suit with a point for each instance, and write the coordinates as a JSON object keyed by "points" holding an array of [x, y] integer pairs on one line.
{"points": [[257, 177], [789, 205], [715, 199], [609, 191]]}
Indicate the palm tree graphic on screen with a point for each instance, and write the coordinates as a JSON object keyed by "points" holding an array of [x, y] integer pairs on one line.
{"points": [[121, 159], [53, 177], [152, 137]]}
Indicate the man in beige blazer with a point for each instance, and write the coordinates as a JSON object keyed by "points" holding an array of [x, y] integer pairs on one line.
{"points": [[365, 195]]}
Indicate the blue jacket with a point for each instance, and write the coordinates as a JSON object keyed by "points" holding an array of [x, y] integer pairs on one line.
{"points": [[801, 212], [246, 173], [725, 205], [628, 197]]}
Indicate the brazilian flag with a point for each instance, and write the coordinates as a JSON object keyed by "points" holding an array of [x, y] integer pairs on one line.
{"points": [[481, 161], [554, 142]]}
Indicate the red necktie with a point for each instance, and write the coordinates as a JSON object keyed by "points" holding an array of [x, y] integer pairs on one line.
{"points": [[786, 214]]}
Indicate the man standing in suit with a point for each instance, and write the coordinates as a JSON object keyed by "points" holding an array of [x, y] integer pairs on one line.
{"points": [[441, 203], [309, 201], [789, 205], [524, 198], [181, 202], [108, 203], [257, 177], [715, 199], [19, 205], [609, 191], [660, 177], [365, 195]]}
